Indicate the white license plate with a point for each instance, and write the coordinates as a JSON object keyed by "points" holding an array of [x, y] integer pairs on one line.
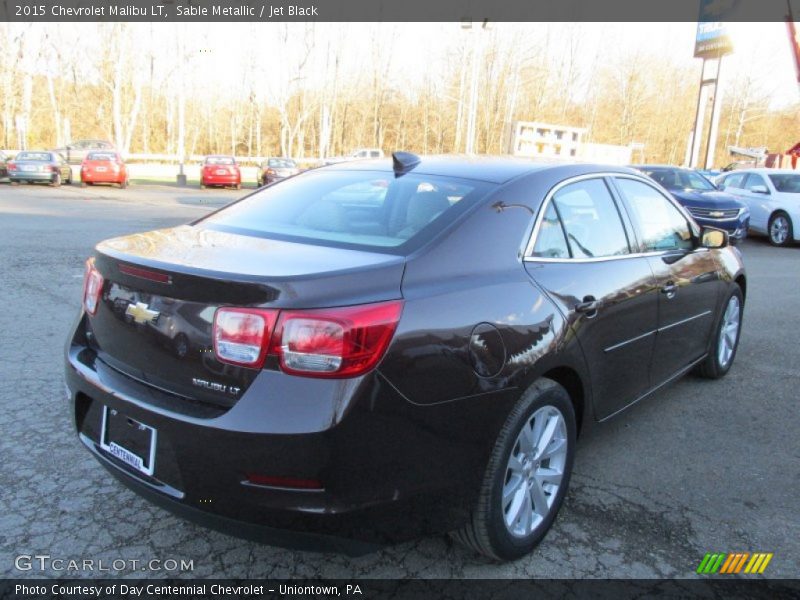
{"points": [[128, 440], [221, 172], [100, 169], [29, 168]]}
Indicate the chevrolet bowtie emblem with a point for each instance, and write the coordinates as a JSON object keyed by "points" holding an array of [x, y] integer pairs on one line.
{"points": [[141, 313]]}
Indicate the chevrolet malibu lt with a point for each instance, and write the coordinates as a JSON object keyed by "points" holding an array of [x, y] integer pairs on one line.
{"points": [[313, 352]]}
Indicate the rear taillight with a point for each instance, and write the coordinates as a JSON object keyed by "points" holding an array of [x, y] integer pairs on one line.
{"points": [[331, 342], [242, 335], [12, 166], [92, 287], [335, 342]]}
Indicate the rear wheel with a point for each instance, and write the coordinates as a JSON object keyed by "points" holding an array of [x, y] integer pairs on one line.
{"points": [[726, 341], [527, 476], [238, 186], [56, 180], [124, 184], [202, 185], [780, 229]]}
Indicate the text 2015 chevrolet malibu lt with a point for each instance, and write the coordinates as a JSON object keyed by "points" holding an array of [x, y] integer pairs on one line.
{"points": [[366, 334]]}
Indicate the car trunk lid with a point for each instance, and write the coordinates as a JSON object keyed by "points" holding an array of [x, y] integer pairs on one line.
{"points": [[162, 288]]}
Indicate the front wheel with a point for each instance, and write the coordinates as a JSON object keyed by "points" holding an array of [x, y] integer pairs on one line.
{"points": [[780, 229], [527, 476], [726, 340]]}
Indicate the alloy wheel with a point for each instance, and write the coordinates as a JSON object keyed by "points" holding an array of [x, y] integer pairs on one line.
{"points": [[534, 471], [779, 230], [729, 332]]}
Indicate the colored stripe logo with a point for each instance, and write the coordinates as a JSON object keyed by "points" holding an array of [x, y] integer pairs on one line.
{"points": [[735, 562]]}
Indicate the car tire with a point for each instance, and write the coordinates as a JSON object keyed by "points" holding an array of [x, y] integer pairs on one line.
{"points": [[506, 523], [56, 180], [726, 338], [13, 182], [202, 185], [779, 230], [123, 185], [238, 186], [84, 184], [69, 180]]}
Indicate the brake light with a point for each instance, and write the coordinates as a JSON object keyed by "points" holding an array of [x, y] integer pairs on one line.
{"points": [[12, 166], [242, 335], [92, 287], [330, 342], [335, 342]]}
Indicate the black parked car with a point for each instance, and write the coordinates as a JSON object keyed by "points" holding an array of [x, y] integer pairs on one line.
{"points": [[447, 340], [4, 158]]}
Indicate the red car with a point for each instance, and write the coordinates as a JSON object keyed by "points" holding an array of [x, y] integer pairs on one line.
{"points": [[220, 170], [102, 166]]}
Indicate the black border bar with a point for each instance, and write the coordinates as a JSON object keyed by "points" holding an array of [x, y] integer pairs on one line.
{"points": [[391, 10]]}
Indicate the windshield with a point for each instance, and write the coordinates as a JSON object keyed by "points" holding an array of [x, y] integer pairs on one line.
{"points": [[219, 160], [358, 209], [788, 183], [34, 156], [680, 179], [282, 163], [106, 156]]}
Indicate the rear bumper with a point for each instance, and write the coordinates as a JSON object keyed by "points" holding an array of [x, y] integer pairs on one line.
{"points": [[221, 180], [107, 177], [31, 176], [389, 472]]}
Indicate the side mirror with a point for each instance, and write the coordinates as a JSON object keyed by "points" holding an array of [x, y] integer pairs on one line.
{"points": [[714, 238], [759, 189]]}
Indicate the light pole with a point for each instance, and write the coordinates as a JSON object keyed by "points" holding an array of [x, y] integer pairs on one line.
{"points": [[477, 56]]}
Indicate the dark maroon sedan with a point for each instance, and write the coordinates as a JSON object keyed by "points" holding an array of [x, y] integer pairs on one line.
{"points": [[372, 334]]}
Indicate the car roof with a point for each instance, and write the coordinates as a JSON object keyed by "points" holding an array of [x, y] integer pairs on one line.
{"points": [[662, 167], [766, 171], [491, 169], [220, 156]]}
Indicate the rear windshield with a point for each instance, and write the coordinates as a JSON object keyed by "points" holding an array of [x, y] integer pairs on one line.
{"points": [[34, 156], [109, 156], [788, 184], [282, 163], [359, 209], [219, 160]]}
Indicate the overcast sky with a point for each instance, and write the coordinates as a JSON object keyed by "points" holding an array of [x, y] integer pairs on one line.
{"points": [[221, 52]]}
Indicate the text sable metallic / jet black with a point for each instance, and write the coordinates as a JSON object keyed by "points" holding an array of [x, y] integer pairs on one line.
{"points": [[342, 348]]}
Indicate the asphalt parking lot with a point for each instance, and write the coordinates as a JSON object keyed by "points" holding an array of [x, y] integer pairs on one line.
{"points": [[699, 467]]}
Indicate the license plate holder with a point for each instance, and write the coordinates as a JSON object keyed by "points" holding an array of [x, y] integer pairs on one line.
{"points": [[221, 171], [128, 440]]}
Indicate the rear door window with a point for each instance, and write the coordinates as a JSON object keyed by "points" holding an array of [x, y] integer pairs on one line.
{"points": [[591, 220]]}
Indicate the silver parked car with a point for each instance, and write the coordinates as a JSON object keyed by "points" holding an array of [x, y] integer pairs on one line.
{"points": [[41, 167], [773, 197]]}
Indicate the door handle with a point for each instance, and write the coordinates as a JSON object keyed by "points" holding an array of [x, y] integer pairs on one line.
{"points": [[588, 306], [669, 290]]}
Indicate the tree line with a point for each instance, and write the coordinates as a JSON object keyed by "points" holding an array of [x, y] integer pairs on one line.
{"points": [[148, 93]]}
